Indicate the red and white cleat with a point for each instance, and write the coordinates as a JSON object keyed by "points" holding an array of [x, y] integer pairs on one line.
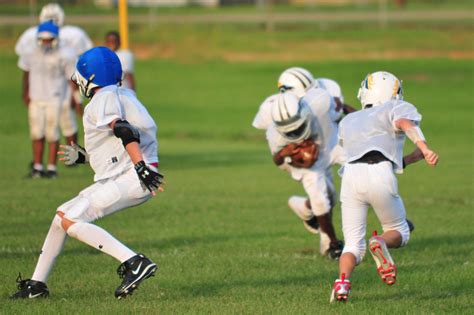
{"points": [[341, 289], [385, 265]]}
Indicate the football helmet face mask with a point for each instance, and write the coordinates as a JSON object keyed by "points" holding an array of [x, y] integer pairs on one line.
{"points": [[378, 88], [292, 118], [97, 67], [52, 12], [47, 36], [296, 80]]}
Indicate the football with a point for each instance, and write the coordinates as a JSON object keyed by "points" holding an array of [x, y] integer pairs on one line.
{"points": [[306, 154]]}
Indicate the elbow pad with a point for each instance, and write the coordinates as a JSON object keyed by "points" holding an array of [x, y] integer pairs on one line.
{"points": [[126, 132]]}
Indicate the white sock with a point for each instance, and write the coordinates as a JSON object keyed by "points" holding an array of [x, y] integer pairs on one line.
{"points": [[52, 247], [38, 166], [51, 167], [100, 239]]}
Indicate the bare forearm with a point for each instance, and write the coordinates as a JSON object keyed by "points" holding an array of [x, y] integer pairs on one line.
{"points": [[413, 157], [133, 150]]}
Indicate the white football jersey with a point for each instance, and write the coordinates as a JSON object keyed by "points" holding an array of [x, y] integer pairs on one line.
{"points": [[323, 107], [127, 62], [373, 129], [49, 72], [276, 142], [69, 36], [263, 118], [107, 155], [332, 87]]}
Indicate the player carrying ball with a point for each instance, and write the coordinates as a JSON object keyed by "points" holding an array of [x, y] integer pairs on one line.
{"points": [[121, 147], [373, 140]]}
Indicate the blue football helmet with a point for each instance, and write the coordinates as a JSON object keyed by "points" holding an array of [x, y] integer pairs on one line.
{"points": [[97, 67], [47, 35]]}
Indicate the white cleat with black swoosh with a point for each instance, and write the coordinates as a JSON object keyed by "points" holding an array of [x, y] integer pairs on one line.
{"points": [[133, 272]]}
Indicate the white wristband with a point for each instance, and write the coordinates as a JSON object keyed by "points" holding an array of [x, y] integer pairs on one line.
{"points": [[415, 134]]}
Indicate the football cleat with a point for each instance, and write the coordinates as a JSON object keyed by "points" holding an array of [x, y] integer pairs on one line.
{"points": [[298, 205], [385, 265], [341, 289], [335, 250], [30, 289], [34, 173], [133, 272], [51, 174]]}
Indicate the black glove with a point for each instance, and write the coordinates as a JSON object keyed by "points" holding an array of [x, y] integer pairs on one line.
{"points": [[151, 179]]}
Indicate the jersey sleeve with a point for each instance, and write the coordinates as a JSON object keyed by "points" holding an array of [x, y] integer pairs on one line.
{"points": [[263, 118], [69, 63], [275, 141], [26, 42], [108, 109], [23, 63], [404, 110]]}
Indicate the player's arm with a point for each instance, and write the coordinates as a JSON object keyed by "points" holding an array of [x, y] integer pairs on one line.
{"points": [[131, 79], [130, 137], [26, 87], [413, 132], [413, 157]]}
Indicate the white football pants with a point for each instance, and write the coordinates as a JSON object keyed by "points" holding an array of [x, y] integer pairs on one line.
{"points": [[365, 185], [319, 187], [43, 118], [67, 117], [106, 197]]}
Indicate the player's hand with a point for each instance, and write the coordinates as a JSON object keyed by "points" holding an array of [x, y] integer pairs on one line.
{"points": [[151, 179], [73, 154], [289, 150], [431, 157]]}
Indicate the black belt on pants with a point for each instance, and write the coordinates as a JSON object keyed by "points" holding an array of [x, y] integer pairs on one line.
{"points": [[372, 157]]}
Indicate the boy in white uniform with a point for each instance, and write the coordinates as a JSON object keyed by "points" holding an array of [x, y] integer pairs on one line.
{"points": [[294, 125], [46, 73], [300, 82], [72, 37], [373, 140], [121, 147], [112, 40]]}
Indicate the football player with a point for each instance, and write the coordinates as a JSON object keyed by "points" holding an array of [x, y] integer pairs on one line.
{"points": [[373, 140], [121, 148], [300, 82], [46, 72], [72, 37], [299, 146], [112, 40]]}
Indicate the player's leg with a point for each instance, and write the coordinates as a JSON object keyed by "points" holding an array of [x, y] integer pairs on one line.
{"points": [[36, 120], [67, 121], [301, 206], [314, 183], [52, 136], [354, 218], [390, 211], [107, 198]]}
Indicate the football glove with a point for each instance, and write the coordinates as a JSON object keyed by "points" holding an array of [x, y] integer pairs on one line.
{"points": [[74, 154], [151, 179]]}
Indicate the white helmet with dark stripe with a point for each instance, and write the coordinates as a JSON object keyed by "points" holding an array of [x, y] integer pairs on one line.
{"points": [[296, 80], [378, 88], [52, 12], [292, 118]]}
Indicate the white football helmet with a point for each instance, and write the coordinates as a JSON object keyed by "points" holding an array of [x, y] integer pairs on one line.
{"points": [[292, 118], [52, 12], [378, 88], [296, 80]]}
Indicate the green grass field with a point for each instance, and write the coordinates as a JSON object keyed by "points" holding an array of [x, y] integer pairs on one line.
{"points": [[222, 234]]}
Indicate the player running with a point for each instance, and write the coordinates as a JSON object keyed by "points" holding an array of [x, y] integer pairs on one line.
{"points": [[46, 72], [72, 37], [121, 147], [373, 140], [300, 82], [299, 146]]}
